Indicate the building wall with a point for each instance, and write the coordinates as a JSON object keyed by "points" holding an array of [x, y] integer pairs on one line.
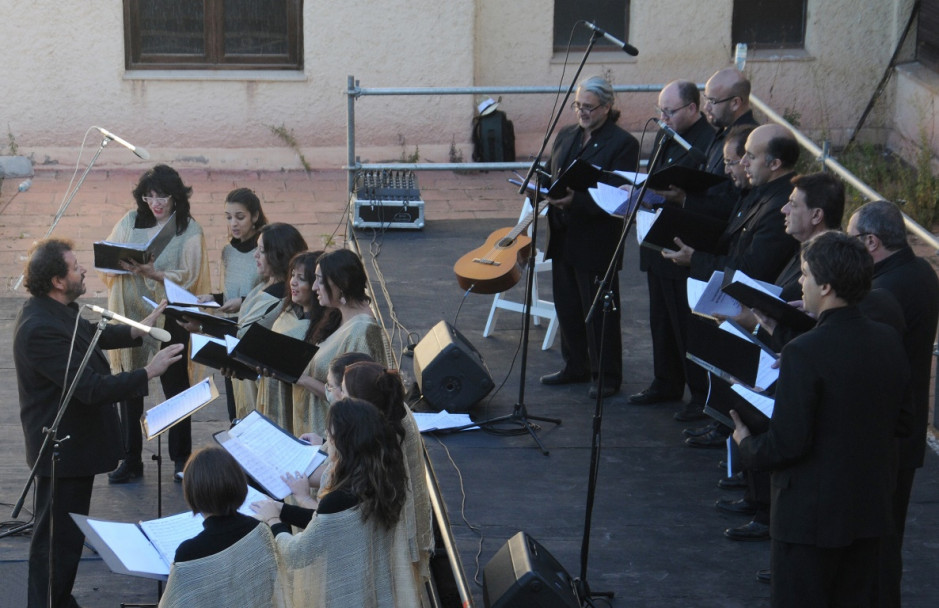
{"points": [[64, 71]]}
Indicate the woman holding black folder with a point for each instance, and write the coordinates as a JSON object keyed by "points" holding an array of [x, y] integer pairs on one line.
{"points": [[300, 317], [161, 197]]}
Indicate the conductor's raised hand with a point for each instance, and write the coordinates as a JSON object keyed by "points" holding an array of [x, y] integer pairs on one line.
{"points": [[163, 359]]}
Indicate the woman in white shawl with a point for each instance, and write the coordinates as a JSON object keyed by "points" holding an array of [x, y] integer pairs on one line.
{"points": [[344, 555]]}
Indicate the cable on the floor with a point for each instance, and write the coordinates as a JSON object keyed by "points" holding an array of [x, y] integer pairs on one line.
{"points": [[475, 529]]}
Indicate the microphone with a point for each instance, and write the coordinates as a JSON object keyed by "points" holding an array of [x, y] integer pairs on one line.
{"points": [[628, 48], [154, 332], [140, 152], [670, 133]]}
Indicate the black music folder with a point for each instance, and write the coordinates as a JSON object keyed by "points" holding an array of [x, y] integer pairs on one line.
{"points": [[755, 410], [772, 306], [696, 230], [286, 358], [580, 176], [731, 354], [108, 254], [213, 352], [687, 178]]}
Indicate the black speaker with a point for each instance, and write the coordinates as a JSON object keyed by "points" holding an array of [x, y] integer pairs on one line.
{"points": [[524, 575], [450, 372]]}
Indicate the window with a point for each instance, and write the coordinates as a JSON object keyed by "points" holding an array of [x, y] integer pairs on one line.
{"points": [[927, 34], [769, 24], [213, 34], [611, 15]]}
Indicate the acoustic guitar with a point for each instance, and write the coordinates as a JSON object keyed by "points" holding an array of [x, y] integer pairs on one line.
{"points": [[497, 265]]}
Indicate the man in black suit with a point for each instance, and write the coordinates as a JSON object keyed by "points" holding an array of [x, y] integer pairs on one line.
{"points": [[679, 108], [912, 281], [42, 346], [582, 239], [841, 399]]}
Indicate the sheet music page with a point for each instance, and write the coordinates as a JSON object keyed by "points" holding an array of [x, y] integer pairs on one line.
{"points": [[610, 198], [164, 415], [230, 343], [644, 221], [277, 447], [442, 420], [709, 299], [769, 288], [180, 295], [761, 402], [167, 533], [253, 496], [265, 474], [131, 546], [765, 374], [198, 341]]}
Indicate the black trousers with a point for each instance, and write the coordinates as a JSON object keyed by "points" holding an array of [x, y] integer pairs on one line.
{"points": [[174, 381], [668, 322], [574, 290], [72, 495], [806, 576], [891, 554]]}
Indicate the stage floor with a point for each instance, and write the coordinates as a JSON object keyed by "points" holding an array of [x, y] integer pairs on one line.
{"points": [[656, 537]]}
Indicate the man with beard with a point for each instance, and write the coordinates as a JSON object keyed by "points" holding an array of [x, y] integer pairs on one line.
{"points": [[46, 362]]}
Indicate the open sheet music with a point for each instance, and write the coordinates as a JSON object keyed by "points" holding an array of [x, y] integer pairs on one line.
{"points": [[161, 417], [211, 324], [707, 299], [266, 452], [215, 353], [147, 548], [180, 296]]}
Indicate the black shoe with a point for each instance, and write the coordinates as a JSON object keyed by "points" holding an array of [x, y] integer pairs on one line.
{"points": [[764, 576], [608, 390], [653, 395], [713, 439], [126, 471], [565, 377], [698, 431], [752, 531], [178, 471], [734, 482], [742, 506], [692, 411]]}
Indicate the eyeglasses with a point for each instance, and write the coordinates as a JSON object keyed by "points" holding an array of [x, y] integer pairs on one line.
{"points": [[669, 113], [714, 102], [862, 235], [732, 163], [583, 107], [156, 200]]}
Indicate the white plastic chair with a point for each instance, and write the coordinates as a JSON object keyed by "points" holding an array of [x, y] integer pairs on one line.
{"points": [[540, 309]]}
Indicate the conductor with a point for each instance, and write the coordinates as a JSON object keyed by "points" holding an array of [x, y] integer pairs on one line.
{"points": [[46, 360]]}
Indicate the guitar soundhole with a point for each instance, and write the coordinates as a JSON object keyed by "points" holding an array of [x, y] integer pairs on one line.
{"points": [[506, 242]]}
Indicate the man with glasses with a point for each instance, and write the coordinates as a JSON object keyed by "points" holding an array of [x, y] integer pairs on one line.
{"points": [[582, 239], [880, 228], [679, 108], [726, 105]]}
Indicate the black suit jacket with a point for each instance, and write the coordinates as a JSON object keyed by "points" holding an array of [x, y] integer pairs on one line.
{"points": [[913, 283], [755, 240], [719, 200], [584, 235], [41, 347], [841, 399], [699, 135]]}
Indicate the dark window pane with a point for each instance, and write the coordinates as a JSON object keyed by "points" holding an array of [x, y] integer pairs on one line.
{"points": [[767, 24], [927, 34], [256, 27], [611, 15], [172, 27]]}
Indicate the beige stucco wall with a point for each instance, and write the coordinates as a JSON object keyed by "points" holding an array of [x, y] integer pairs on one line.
{"points": [[63, 71]]}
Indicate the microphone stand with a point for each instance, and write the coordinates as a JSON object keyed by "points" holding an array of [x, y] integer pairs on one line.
{"points": [[68, 198], [51, 439], [520, 414], [605, 295]]}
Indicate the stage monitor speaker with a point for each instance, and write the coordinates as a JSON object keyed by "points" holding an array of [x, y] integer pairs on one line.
{"points": [[524, 575], [449, 371]]}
